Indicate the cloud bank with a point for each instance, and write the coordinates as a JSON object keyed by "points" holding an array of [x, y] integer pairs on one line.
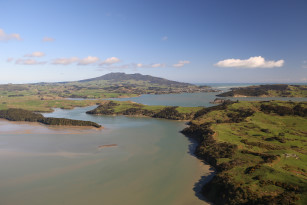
{"points": [[181, 64], [28, 62], [252, 62], [35, 54], [7, 37], [110, 61], [88, 60], [65, 61], [157, 65]]}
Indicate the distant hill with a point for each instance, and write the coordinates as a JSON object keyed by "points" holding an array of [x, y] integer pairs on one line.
{"points": [[275, 90], [120, 77], [112, 85]]}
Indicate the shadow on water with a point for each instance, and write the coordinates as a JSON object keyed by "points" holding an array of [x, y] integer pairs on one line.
{"points": [[204, 179]]}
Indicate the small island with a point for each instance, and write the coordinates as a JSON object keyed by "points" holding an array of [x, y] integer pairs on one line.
{"points": [[275, 90], [29, 116]]}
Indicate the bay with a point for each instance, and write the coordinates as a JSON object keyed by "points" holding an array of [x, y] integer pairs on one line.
{"points": [[150, 164]]}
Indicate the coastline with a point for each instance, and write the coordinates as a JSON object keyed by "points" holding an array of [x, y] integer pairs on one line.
{"points": [[198, 186], [222, 188]]}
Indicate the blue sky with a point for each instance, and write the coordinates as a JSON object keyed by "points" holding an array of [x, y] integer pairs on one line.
{"points": [[186, 40]]}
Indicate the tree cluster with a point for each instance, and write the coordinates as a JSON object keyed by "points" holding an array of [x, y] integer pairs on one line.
{"points": [[283, 110], [104, 109], [169, 113], [138, 111], [237, 116]]}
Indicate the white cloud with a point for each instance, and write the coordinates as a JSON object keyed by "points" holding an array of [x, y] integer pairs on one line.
{"points": [[304, 65], [6, 37], [252, 62], [110, 61], [48, 39], [35, 54], [65, 61], [181, 64], [133, 66], [164, 38], [157, 65], [139, 65], [9, 60], [88, 60], [29, 62]]}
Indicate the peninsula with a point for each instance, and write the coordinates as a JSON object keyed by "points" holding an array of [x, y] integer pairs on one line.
{"points": [[258, 150], [136, 109], [274, 90]]}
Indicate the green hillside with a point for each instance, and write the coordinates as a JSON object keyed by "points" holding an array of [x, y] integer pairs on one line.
{"points": [[136, 109], [258, 150]]}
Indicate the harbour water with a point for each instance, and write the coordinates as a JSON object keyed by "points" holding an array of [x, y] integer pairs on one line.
{"points": [[196, 99], [150, 164]]}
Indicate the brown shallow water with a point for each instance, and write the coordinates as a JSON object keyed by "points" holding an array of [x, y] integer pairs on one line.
{"points": [[150, 163]]}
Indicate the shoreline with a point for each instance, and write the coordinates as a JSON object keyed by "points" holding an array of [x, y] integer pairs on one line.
{"points": [[198, 186], [222, 188]]}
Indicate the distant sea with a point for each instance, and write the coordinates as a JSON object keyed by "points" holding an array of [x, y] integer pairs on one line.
{"points": [[200, 99]]}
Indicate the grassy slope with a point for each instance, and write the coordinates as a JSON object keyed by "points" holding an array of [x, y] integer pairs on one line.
{"points": [[56, 90], [34, 103], [261, 128]]}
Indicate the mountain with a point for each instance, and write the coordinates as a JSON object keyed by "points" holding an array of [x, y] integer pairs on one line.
{"points": [[120, 77], [111, 85]]}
